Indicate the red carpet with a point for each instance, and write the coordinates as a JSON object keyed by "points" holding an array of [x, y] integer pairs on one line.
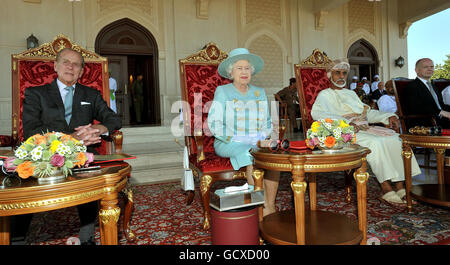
{"points": [[161, 217]]}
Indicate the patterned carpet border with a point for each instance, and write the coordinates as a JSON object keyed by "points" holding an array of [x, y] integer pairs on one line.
{"points": [[161, 216]]}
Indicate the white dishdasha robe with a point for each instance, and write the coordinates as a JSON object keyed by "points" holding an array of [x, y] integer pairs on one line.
{"points": [[385, 158]]}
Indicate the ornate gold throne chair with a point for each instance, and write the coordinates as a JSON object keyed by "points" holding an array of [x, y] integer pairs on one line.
{"points": [[199, 79], [34, 67], [311, 75]]}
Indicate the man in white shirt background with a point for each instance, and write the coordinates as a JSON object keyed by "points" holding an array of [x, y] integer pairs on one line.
{"points": [[386, 103], [376, 80], [112, 92], [354, 83], [366, 86]]}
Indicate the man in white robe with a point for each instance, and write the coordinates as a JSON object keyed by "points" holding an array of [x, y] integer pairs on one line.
{"points": [[385, 158]]}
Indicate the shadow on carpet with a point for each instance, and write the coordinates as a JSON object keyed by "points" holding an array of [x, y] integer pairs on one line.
{"points": [[162, 217]]}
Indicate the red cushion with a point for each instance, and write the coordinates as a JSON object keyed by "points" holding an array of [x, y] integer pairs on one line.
{"points": [[203, 80], [314, 80], [211, 163]]}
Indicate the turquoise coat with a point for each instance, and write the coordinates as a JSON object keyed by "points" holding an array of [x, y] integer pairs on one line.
{"points": [[234, 115]]}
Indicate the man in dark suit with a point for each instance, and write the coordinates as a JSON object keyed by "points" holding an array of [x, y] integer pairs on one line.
{"points": [[69, 107], [422, 98], [379, 92]]}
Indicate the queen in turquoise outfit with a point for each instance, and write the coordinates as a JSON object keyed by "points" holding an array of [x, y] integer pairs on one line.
{"points": [[239, 117]]}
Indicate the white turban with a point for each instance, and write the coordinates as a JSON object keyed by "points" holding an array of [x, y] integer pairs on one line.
{"points": [[339, 64]]}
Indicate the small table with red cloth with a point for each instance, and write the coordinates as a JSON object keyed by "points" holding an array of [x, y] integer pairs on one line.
{"points": [[438, 194], [313, 227]]}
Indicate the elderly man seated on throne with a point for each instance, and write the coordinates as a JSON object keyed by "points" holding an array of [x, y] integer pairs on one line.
{"points": [[385, 158]]}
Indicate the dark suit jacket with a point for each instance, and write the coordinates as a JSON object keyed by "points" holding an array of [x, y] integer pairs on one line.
{"points": [[377, 94], [419, 101], [43, 110]]}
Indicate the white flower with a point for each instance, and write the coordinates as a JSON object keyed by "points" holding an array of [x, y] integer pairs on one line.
{"points": [[20, 153], [63, 150], [81, 148], [322, 139], [327, 125], [36, 153], [337, 132]]}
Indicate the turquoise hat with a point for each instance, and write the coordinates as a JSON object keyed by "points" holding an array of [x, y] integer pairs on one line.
{"points": [[240, 54]]}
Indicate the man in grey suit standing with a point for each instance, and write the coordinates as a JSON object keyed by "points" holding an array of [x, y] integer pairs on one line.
{"points": [[69, 107]]}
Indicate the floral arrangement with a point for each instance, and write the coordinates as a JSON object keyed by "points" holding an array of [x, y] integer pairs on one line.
{"points": [[330, 133], [41, 155]]}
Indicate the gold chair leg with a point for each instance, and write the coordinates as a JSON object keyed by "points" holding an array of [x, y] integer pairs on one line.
{"points": [[205, 186], [129, 207]]}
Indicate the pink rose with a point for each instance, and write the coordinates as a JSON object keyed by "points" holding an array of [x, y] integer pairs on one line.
{"points": [[89, 158], [57, 160], [347, 137], [316, 140], [9, 165]]}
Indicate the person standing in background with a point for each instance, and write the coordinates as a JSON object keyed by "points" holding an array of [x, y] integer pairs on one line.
{"points": [[137, 94], [354, 83], [288, 97], [366, 86], [374, 86], [112, 92]]}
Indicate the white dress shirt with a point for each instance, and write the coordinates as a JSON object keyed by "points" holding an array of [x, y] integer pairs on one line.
{"points": [[62, 89]]}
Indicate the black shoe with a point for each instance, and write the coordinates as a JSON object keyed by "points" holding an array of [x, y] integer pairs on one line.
{"points": [[90, 242]]}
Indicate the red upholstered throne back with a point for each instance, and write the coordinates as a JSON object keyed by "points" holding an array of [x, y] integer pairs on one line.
{"points": [[400, 84], [202, 80], [199, 80], [34, 67], [312, 78]]}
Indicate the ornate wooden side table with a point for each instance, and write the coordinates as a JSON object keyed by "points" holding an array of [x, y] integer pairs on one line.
{"points": [[438, 194], [32, 197], [302, 226]]}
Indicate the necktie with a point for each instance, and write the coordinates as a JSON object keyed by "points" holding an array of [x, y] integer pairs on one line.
{"points": [[433, 93], [68, 104]]}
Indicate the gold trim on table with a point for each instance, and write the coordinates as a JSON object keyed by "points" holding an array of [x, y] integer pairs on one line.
{"points": [[323, 166], [65, 199]]}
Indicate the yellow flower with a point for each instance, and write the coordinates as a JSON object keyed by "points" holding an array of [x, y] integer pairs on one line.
{"points": [[315, 126], [343, 124], [30, 140], [54, 145]]}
